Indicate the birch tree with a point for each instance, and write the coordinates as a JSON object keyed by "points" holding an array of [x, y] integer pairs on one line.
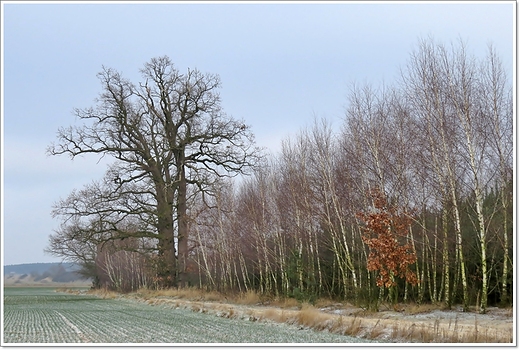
{"points": [[427, 87], [496, 104]]}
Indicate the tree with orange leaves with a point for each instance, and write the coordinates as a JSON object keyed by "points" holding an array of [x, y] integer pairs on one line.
{"points": [[384, 229]]}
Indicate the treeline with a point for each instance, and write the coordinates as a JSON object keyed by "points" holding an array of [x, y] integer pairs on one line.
{"points": [[439, 144], [410, 199]]}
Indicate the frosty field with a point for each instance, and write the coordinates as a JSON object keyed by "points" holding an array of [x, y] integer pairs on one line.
{"points": [[41, 315]]}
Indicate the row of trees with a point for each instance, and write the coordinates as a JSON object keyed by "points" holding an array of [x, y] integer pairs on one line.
{"points": [[411, 199]]}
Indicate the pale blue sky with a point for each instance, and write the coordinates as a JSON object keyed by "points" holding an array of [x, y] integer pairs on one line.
{"points": [[280, 64]]}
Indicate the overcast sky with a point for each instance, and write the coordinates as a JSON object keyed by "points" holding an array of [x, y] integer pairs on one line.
{"points": [[280, 64]]}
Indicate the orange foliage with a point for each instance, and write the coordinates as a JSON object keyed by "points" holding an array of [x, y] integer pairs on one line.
{"points": [[383, 229]]}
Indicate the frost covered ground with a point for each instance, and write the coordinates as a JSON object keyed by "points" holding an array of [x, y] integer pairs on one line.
{"points": [[41, 315], [430, 326], [452, 325]]}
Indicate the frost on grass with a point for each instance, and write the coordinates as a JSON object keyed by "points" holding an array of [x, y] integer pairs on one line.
{"points": [[35, 315]]}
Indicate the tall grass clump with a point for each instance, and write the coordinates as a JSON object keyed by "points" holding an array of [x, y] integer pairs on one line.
{"points": [[248, 298], [309, 316]]}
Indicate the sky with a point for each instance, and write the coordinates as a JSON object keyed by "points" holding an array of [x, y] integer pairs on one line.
{"points": [[281, 65]]}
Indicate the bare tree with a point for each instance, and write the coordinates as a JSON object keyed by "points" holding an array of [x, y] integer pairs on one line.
{"points": [[427, 87], [73, 242], [460, 73], [324, 164], [123, 265], [298, 204], [496, 104], [168, 132]]}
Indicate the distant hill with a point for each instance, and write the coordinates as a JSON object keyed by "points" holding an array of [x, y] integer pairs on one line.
{"points": [[42, 272], [36, 267]]}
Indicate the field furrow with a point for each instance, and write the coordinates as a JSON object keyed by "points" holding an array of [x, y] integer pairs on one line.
{"points": [[37, 326], [35, 315]]}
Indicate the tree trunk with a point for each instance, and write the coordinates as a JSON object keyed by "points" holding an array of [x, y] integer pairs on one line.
{"points": [[167, 264], [504, 296], [445, 257], [182, 223]]}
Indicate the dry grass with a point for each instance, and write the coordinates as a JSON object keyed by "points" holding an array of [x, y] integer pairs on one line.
{"points": [[413, 333], [353, 327], [276, 315], [68, 290], [248, 298], [389, 330], [449, 333], [509, 311], [347, 326], [376, 331], [104, 293], [181, 293], [311, 317], [421, 308], [324, 302], [285, 303]]}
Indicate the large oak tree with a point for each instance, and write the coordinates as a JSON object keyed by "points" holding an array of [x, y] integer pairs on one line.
{"points": [[166, 133]]}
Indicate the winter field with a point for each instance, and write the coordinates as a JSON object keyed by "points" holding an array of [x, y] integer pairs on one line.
{"points": [[42, 315]]}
